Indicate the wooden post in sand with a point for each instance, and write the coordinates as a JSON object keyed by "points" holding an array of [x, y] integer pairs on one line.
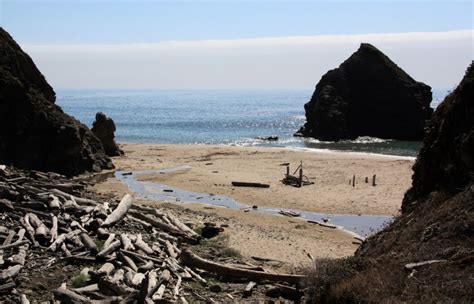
{"points": [[301, 174], [373, 180], [366, 180], [287, 170], [353, 180]]}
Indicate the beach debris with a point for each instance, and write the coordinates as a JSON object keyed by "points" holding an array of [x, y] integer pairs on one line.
{"points": [[296, 181], [250, 184], [249, 288], [131, 252], [289, 213], [411, 266], [189, 258]]}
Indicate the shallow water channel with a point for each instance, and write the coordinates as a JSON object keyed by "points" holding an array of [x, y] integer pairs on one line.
{"points": [[361, 225]]}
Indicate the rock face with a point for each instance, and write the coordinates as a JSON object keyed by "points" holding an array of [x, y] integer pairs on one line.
{"points": [[446, 161], [34, 132], [368, 95], [436, 224], [104, 128]]}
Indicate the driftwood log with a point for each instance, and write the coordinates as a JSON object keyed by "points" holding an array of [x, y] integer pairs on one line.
{"points": [[192, 260]]}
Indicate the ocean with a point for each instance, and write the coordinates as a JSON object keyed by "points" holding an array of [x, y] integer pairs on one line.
{"points": [[229, 117]]}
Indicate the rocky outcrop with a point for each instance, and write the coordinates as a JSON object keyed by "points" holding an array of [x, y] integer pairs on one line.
{"points": [[104, 128], [427, 254], [446, 161], [34, 132], [368, 95]]}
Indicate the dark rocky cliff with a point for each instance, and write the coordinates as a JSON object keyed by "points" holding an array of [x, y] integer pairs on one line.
{"points": [[34, 132], [368, 95], [436, 224], [446, 161]]}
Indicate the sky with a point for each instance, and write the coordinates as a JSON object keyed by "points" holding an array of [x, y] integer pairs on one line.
{"points": [[235, 44]]}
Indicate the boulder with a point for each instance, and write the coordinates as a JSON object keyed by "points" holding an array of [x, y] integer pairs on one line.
{"points": [[104, 128], [34, 132], [368, 95]]}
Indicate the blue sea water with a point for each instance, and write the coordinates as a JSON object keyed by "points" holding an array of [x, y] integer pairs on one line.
{"points": [[233, 117]]}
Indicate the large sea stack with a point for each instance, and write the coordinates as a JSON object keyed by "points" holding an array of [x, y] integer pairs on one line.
{"points": [[368, 95], [427, 254], [34, 132]]}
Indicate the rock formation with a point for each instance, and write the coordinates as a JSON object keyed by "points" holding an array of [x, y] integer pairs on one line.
{"points": [[104, 128], [427, 254], [446, 161], [34, 132], [368, 95]]}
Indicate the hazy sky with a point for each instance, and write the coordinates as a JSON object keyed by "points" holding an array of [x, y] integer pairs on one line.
{"points": [[235, 44]]}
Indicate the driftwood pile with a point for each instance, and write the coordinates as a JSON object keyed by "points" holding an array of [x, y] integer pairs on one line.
{"points": [[44, 213]]}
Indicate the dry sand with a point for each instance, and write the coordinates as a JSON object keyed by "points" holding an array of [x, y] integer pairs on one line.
{"points": [[280, 238]]}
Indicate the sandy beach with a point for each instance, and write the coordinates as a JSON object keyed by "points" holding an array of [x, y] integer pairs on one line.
{"points": [[213, 168]]}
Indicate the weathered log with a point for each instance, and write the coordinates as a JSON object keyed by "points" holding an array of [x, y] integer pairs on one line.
{"points": [[146, 267], [196, 275], [176, 222], [191, 259], [54, 228], [24, 299], [127, 261], [165, 227], [68, 296], [10, 272], [89, 243], [118, 276], [61, 238], [9, 238], [16, 244], [7, 286], [102, 233], [176, 288], [109, 240], [126, 242], [30, 231], [85, 289], [20, 234], [79, 200], [137, 279], [119, 212], [108, 250], [19, 258], [249, 288], [411, 266], [41, 231], [152, 281], [247, 184], [170, 249], [157, 291], [6, 205], [54, 204], [143, 245]]}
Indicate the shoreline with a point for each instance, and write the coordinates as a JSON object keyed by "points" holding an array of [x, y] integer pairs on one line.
{"points": [[215, 166], [287, 239]]}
